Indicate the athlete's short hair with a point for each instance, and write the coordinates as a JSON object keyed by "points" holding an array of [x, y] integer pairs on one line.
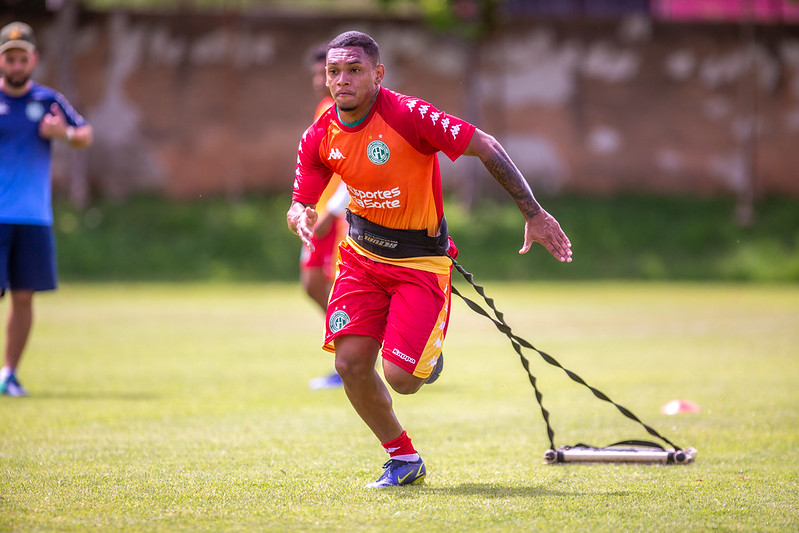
{"points": [[357, 39]]}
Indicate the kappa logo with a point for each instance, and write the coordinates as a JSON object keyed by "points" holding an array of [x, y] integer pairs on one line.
{"points": [[338, 320], [335, 153], [435, 116], [403, 356], [378, 153]]}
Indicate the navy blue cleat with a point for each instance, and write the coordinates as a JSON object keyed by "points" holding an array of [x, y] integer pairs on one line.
{"points": [[436, 373], [399, 473]]}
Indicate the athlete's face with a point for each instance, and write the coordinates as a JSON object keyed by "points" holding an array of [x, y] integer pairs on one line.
{"points": [[353, 80], [17, 66]]}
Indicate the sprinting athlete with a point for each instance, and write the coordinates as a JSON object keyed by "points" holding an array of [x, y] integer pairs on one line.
{"points": [[391, 295], [31, 117]]}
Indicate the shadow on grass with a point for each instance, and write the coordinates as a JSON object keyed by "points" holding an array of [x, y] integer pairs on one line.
{"points": [[489, 490]]}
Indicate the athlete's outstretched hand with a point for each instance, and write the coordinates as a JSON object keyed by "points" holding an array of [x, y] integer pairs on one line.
{"points": [[543, 228], [301, 220]]}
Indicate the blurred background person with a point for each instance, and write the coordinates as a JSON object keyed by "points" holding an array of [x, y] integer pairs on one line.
{"points": [[317, 268], [31, 117]]}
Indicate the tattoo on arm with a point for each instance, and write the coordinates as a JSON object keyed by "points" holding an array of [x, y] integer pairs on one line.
{"points": [[505, 172]]}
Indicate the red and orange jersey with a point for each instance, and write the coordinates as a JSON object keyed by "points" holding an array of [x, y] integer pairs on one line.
{"points": [[388, 161]]}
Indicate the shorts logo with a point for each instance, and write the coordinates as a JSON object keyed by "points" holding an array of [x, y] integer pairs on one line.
{"points": [[403, 356], [378, 152], [338, 320], [34, 111]]}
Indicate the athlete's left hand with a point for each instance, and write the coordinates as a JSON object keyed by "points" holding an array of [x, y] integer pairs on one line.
{"points": [[301, 220], [543, 228]]}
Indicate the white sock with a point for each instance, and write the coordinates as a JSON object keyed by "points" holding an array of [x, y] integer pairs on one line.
{"points": [[5, 372], [411, 457]]}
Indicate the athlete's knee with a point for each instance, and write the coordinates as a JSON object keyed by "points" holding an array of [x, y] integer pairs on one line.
{"points": [[355, 356], [351, 366], [22, 299], [400, 380]]}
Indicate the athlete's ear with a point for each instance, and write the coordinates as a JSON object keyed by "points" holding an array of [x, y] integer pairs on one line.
{"points": [[380, 72]]}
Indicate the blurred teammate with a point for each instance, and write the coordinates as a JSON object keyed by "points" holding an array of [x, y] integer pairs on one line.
{"points": [[317, 267], [31, 117], [391, 294]]}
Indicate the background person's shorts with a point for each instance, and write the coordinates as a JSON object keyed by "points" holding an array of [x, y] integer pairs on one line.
{"points": [[325, 250], [27, 258]]}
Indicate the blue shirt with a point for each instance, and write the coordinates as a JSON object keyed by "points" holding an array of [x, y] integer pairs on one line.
{"points": [[25, 186]]}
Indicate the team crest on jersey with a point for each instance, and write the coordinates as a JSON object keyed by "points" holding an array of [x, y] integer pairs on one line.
{"points": [[378, 152], [338, 320], [34, 111]]}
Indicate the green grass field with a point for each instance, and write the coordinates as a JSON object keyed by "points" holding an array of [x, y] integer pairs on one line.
{"points": [[186, 408]]}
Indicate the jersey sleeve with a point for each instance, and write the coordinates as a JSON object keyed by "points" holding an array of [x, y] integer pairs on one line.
{"points": [[442, 131], [311, 175], [72, 117]]}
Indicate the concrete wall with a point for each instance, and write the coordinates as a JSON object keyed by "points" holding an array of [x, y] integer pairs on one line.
{"points": [[201, 105]]}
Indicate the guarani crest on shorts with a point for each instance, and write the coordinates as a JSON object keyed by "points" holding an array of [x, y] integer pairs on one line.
{"points": [[377, 151], [338, 320]]}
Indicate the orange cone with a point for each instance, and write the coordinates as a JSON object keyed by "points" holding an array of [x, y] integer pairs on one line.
{"points": [[675, 407]]}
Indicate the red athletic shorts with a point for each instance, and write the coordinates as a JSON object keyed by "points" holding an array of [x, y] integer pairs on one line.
{"points": [[324, 254], [406, 310]]}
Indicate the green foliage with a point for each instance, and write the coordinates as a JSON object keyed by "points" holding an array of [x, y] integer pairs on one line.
{"points": [[316, 6], [655, 238], [467, 19], [152, 239]]}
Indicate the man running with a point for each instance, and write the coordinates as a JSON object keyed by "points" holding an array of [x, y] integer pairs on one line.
{"points": [[391, 295]]}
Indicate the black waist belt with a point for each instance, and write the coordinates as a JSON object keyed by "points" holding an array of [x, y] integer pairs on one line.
{"points": [[397, 243]]}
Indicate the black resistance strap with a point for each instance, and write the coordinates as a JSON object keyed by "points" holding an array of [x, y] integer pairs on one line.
{"points": [[518, 343]]}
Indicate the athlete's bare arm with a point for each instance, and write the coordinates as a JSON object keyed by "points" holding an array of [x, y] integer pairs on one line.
{"points": [[539, 226], [301, 219]]}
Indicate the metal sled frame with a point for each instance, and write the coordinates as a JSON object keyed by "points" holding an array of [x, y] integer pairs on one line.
{"points": [[642, 455], [641, 452]]}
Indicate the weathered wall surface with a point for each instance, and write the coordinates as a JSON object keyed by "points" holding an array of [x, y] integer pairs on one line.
{"points": [[200, 105]]}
